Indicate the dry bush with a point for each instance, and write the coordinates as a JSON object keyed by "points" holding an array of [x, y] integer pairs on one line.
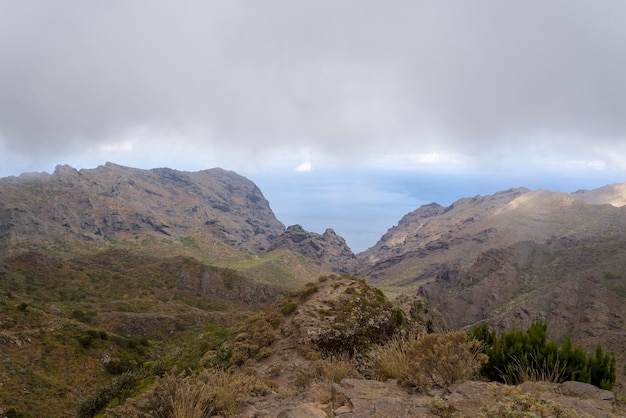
{"points": [[390, 360], [327, 394], [511, 401], [431, 360], [445, 358], [324, 371], [207, 394], [439, 407]]}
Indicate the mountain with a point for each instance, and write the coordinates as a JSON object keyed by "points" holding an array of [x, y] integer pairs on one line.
{"points": [[433, 236], [116, 202], [114, 273], [214, 215], [513, 258]]}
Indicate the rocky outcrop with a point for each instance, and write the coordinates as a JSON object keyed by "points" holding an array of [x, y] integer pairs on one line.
{"points": [[328, 250], [356, 398], [116, 202]]}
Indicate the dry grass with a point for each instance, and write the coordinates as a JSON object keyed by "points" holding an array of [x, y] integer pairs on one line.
{"points": [[390, 360], [431, 360], [512, 401], [324, 371], [207, 394], [527, 370]]}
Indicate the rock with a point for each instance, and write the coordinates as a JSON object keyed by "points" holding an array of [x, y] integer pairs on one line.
{"points": [[586, 391], [307, 410], [328, 250]]}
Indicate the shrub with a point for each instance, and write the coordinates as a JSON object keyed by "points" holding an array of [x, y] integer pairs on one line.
{"points": [[324, 371], [438, 406], [511, 401], [117, 367], [432, 360], [288, 308], [121, 386], [389, 360], [209, 393], [309, 289], [84, 317], [519, 356]]}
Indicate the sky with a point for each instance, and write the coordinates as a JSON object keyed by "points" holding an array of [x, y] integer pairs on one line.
{"points": [[347, 114]]}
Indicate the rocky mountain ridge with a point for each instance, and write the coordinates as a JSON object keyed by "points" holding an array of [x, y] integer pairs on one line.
{"points": [[93, 207], [432, 236], [112, 201]]}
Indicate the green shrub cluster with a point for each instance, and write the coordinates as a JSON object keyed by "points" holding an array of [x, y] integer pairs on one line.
{"points": [[518, 356]]}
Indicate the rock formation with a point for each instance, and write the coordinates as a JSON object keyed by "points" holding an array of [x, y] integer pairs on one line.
{"points": [[328, 250], [113, 202]]}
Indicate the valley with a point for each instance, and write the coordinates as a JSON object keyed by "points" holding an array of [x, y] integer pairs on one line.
{"points": [[116, 271]]}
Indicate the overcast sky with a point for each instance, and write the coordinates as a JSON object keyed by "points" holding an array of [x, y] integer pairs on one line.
{"points": [[339, 110]]}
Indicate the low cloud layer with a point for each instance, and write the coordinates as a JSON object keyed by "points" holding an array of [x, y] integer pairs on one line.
{"points": [[350, 81]]}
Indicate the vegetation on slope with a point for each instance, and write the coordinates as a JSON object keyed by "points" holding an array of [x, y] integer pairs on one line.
{"points": [[518, 356]]}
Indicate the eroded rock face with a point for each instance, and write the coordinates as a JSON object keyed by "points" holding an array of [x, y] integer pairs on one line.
{"points": [[113, 201], [328, 250]]}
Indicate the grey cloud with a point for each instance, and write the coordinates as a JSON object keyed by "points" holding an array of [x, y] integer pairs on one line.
{"points": [[342, 77]]}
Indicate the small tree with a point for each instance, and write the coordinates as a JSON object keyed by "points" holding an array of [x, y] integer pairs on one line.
{"points": [[518, 356]]}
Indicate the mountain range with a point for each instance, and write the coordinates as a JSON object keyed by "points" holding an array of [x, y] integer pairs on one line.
{"points": [[129, 248]]}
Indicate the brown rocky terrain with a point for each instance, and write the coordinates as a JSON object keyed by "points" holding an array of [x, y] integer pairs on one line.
{"points": [[431, 236], [328, 250], [114, 202], [359, 398], [516, 257], [320, 329], [162, 254]]}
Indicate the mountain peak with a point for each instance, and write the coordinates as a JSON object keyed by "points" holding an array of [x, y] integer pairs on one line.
{"points": [[118, 202]]}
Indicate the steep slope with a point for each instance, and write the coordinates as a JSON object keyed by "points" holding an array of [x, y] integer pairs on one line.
{"points": [[70, 326], [215, 215], [432, 236], [327, 250], [577, 289], [116, 202]]}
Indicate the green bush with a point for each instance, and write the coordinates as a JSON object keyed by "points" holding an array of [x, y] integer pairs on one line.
{"points": [[517, 356], [121, 386], [288, 308]]}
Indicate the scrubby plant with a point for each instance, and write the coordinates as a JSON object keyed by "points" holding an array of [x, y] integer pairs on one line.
{"points": [[438, 406], [121, 386], [209, 393], [517, 356], [389, 360], [288, 307], [430, 360], [512, 401], [309, 289], [330, 370]]}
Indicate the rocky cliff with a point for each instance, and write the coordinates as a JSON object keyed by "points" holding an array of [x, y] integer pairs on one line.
{"points": [[112, 201], [328, 250]]}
